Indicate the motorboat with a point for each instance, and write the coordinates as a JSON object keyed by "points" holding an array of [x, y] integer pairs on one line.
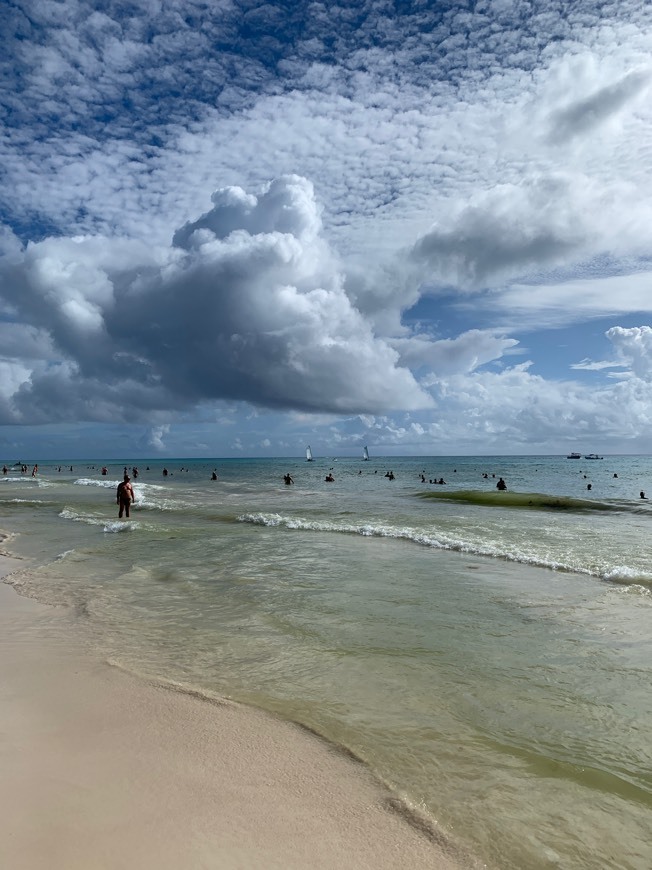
{"points": [[574, 456], [593, 456]]}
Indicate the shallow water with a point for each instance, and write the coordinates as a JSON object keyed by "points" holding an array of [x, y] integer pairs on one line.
{"points": [[490, 660]]}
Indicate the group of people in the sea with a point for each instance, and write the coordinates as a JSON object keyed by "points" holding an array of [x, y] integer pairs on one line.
{"points": [[331, 479], [125, 492], [441, 480], [23, 469]]}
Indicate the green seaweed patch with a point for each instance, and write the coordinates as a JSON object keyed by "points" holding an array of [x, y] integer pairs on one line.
{"points": [[528, 500]]}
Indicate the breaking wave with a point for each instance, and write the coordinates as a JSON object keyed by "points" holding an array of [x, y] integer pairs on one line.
{"points": [[90, 481], [89, 519], [618, 574], [121, 526]]}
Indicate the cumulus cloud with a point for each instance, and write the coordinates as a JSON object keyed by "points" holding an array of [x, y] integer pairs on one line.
{"points": [[247, 305], [634, 349], [516, 410], [153, 439]]}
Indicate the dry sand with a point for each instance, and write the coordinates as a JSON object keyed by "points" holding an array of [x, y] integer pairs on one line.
{"points": [[102, 771]]}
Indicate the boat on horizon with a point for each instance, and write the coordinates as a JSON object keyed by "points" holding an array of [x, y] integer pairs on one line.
{"points": [[365, 454], [574, 456], [309, 454], [593, 456]]}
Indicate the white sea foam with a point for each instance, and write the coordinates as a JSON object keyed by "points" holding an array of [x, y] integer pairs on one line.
{"points": [[626, 576], [164, 504], [622, 574], [31, 481], [140, 492], [70, 514], [121, 526], [638, 589], [64, 555], [89, 519], [140, 485], [89, 481], [126, 525]]}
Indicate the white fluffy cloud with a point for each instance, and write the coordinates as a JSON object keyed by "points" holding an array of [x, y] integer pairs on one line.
{"points": [[248, 305], [153, 439], [449, 356], [515, 411], [634, 349]]}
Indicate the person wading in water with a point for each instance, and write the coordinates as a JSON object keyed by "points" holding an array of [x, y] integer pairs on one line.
{"points": [[125, 496]]}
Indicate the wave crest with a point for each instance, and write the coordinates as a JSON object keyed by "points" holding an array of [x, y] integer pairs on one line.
{"points": [[620, 574]]}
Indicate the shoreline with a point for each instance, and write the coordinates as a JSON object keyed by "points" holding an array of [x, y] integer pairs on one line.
{"points": [[103, 769]]}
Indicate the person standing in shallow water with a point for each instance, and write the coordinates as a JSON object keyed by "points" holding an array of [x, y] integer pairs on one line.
{"points": [[125, 496]]}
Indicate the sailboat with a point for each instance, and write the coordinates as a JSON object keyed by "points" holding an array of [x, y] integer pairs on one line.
{"points": [[365, 455], [309, 454]]}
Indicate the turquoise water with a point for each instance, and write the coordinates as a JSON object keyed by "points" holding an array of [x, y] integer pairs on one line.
{"points": [[487, 654]]}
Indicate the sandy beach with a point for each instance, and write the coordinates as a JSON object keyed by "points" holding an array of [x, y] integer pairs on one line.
{"points": [[102, 770]]}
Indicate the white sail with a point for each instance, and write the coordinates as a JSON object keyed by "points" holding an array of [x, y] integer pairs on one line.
{"points": [[365, 454], [308, 454]]}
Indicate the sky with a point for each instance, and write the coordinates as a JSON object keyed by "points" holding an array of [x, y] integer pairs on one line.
{"points": [[235, 228]]}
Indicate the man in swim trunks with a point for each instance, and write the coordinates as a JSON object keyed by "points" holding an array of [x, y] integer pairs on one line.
{"points": [[125, 496]]}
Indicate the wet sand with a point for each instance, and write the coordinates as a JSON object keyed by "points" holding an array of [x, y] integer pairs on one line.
{"points": [[102, 770]]}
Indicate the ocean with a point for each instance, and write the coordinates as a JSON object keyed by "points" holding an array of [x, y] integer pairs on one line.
{"points": [[487, 654]]}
